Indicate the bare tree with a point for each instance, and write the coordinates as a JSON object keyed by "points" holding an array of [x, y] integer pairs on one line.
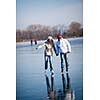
{"points": [[74, 27]]}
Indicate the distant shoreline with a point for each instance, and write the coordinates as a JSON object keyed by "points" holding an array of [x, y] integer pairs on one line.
{"points": [[72, 38], [69, 38]]}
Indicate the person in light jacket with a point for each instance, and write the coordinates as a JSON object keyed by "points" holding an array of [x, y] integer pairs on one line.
{"points": [[48, 52], [63, 47]]}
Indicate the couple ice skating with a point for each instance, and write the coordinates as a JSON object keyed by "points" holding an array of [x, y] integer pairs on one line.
{"points": [[62, 47]]}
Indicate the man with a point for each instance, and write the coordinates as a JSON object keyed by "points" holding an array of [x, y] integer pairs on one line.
{"points": [[48, 52], [63, 47]]}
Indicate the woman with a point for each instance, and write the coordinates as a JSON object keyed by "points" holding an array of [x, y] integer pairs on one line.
{"points": [[48, 52]]}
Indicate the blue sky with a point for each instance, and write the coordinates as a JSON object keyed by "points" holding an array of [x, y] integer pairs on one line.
{"points": [[48, 12]]}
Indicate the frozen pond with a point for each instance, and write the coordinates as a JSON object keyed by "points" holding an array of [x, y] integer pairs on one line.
{"points": [[31, 82]]}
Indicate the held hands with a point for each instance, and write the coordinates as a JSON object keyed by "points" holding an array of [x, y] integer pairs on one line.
{"points": [[57, 54], [68, 52]]}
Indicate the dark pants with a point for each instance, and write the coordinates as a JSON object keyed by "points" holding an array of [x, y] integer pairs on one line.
{"points": [[48, 59], [63, 56]]}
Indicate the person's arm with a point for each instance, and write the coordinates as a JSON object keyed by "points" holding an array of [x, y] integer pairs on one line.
{"points": [[54, 48], [68, 46], [40, 46], [57, 49]]}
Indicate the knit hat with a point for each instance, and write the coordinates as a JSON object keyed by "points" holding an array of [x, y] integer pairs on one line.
{"points": [[59, 36], [50, 37]]}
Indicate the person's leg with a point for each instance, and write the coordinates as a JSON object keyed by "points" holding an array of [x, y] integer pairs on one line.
{"points": [[62, 66], [46, 62], [50, 62], [66, 61], [52, 83], [48, 84]]}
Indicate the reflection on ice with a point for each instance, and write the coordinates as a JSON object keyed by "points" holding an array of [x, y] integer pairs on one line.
{"points": [[50, 87], [66, 94]]}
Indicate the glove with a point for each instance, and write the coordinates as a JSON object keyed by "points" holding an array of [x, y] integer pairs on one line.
{"points": [[57, 54], [68, 52]]}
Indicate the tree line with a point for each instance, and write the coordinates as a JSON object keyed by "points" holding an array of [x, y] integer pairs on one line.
{"points": [[41, 32]]}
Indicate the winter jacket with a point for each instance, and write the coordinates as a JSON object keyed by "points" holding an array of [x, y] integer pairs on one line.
{"points": [[63, 46], [49, 46]]}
